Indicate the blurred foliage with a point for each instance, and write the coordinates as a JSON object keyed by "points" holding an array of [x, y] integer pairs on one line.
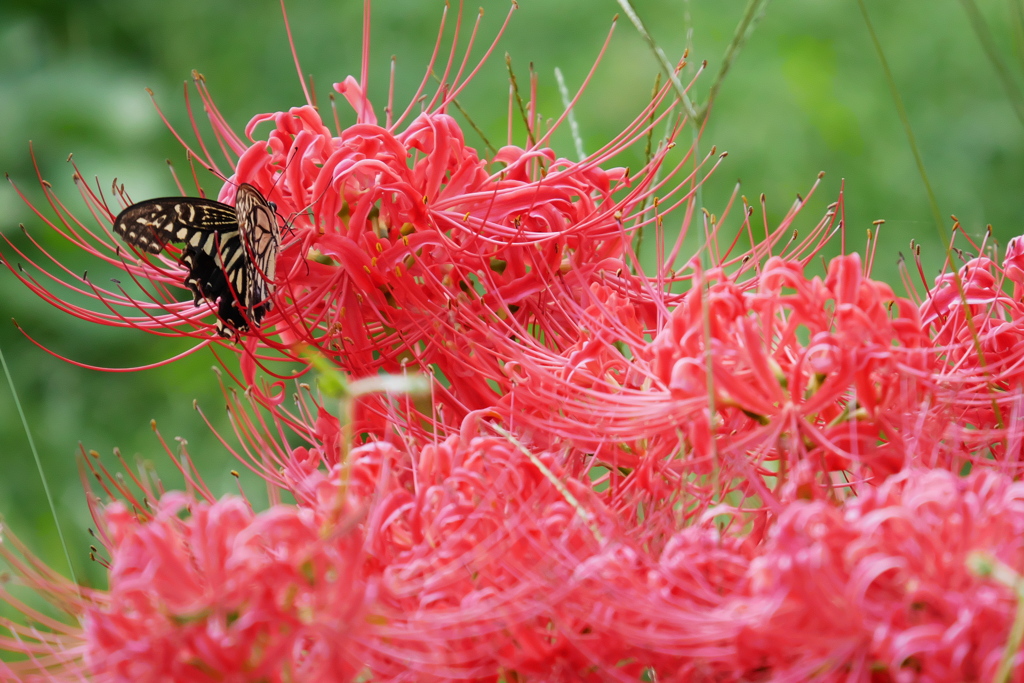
{"points": [[807, 94]]}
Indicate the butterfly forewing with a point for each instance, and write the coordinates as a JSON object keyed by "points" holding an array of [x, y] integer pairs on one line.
{"points": [[230, 252], [152, 224]]}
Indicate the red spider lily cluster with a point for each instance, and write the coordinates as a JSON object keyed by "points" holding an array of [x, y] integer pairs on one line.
{"points": [[719, 467]]}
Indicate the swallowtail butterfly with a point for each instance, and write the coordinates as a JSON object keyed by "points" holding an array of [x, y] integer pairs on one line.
{"points": [[230, 251]]}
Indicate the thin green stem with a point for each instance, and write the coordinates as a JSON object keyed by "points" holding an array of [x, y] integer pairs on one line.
{"points": [[472, 124], [1017, 18], [659, 54], [988, 44], [39, 466], [905, 120], [753, 14], [519, 100], [932, 201]]}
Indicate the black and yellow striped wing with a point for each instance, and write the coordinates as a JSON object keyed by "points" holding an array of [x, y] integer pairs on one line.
{"points": [[261, 242], [152, 224], [230, 251]]}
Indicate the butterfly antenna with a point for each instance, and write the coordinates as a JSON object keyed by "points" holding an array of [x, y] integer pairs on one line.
{"points": [[284, 169], [307, 207]]}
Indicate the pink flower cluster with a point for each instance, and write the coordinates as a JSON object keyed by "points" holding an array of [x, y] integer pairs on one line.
{"points": [[714, 468], [468, 560]]}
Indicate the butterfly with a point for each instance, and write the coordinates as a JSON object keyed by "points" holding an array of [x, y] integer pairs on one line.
{"points": [[230, 251]]}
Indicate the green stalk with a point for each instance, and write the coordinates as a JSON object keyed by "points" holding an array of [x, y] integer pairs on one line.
{"points": [[39, 466], [988, 44], [753, 13], [659, 54], [905, 120]]}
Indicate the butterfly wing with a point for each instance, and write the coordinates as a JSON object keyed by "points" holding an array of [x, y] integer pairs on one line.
{"points": [[222, 269], [152, 224], [261, 240], [209, 231]]}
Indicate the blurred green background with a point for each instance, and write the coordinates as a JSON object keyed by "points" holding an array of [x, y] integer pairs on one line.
{"points": [[807, 94]]}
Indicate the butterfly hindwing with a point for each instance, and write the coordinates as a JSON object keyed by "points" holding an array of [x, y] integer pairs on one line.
{"points": [[230, 252]]}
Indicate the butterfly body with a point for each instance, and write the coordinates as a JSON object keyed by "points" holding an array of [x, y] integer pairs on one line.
{"points": [[230, 251]]}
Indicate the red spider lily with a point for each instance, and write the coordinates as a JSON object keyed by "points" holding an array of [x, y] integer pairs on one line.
{"points": [[889, 580], [404, 248], [473, 557], [809, 378]]}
